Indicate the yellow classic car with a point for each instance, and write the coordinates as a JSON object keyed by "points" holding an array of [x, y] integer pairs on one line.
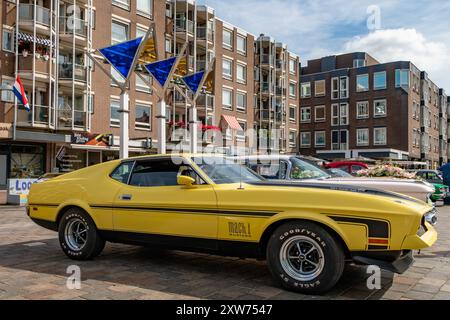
{"points": [[306, 232]]}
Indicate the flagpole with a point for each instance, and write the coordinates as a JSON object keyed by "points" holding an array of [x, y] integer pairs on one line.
{"points": [[161, 126], [124, 124]]}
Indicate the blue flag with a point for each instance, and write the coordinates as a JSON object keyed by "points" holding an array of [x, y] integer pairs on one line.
{"points": [[193, 81], [160, 70], [121, 56]]}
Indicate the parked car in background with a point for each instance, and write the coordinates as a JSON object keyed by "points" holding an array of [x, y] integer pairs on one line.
{"points": [[297, 168], [351, 167], [434, 177], [211, 204]]}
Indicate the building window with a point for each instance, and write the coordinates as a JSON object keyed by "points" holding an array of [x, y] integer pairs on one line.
{"points": [[242, 44], [359, 63], [292, 66], [320, 139], [292, 139], [240, 135], [319, 112], [293, 113], [7, 95], [362, 110], [227, 98], [380, 136], [379, 80], [305, 139], [293, 90], [344, 87], [168, 45], [402, 78], [120, 32], [319, 88], [125, 4], [362, 137], [241, 73], [305, 90], [305, 114], [335, 114], [241, 101], [343, 113], [362, 83], [380, 108], [339, 140], [227, 69], [143, 117], [334, 88], [144, 6], [7, 40], [115, 115], [227, 39], [142, 85]]}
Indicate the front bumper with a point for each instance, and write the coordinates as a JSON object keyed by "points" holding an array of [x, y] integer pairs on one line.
{"points": [[399, 264], [425, 238]]}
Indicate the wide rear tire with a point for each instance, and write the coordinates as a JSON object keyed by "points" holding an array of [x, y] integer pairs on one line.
{"points": [[304, 257]]}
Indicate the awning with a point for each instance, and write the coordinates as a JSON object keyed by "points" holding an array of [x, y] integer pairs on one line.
{"points": [[30, 38], [232, 122]]}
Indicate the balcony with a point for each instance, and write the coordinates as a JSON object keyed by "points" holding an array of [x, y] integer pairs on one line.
{"points": [[73, 26], [205, 101], [70, 71], [267, 59], [27, 14], [203, 33], [183, 25], [266, 88], [41, 66]]}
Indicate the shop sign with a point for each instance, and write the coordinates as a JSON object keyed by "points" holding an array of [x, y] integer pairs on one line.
{"points": [[5, 130], [19, 187], [98, 140]]}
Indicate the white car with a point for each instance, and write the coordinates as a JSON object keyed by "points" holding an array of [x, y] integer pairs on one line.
{"points": [[297, 168]]}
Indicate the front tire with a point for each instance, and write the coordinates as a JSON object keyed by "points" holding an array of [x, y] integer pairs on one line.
{"points": [[304, 257], [78, 235]]}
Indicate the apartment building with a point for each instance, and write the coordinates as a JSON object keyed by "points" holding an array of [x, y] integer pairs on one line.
{"points": [[354, 106], [74, 118]]}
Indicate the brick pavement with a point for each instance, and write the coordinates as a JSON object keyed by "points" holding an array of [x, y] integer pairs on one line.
{"points": [[32, 266]]}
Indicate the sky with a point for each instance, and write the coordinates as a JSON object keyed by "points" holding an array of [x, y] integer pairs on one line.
{"points": [[389, 30]]}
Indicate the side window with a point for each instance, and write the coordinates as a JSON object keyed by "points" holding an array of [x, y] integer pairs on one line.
{"points": [[122, 172], [355, 169], [160, 173], [271, 171]]}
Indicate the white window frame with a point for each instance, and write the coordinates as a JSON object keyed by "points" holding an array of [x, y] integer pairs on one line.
{"points": [[359, 142], [240, 135], [119, 22], [225, 75], [366, 75], [292, 144], [367, 106], [303, 86], [240, 108], [321, 145], [378, 143], [224, 44], [335, 115], [114, 122], [344, 114], [344, 92], [143, 86], [124, 4], [226, 106], [335, 88], [374, 81], [302, 144], [10, 31], [292, 66], [293, 95], [244, 68], [144, 12], [7, 95], [320, 94], [294, 120], [400, 72], [143, 125], [239, 50], [377, 115], [304, 120], [316, 119]]}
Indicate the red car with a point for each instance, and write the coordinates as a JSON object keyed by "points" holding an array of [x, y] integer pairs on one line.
{"points": [[351, 167]]}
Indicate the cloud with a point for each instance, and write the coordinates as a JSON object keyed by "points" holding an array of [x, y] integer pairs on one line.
{"points": [[407, 45]]}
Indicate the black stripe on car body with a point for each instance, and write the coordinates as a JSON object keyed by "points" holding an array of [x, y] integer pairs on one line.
{"points": [[376, 228]]}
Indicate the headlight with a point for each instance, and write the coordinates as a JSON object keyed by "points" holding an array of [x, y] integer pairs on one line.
{"points": [[431, 217]]}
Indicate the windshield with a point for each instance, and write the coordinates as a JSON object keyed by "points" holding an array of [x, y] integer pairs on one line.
{"points": [[302, 170], [223, 171]]}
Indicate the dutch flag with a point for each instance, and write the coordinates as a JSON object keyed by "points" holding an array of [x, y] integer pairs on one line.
{"points": [[19, 92]]}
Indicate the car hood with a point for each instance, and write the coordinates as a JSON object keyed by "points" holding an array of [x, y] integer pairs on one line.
{"points": [[338, 187]]}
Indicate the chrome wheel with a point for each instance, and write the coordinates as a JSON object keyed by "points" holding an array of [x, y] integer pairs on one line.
{"points": [[302, 258], [76, 234]]}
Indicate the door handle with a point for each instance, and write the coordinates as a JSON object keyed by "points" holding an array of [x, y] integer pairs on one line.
{"points": [[126, 197]]}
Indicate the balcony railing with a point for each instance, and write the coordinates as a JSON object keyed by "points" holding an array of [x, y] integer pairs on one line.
{"points": [[42, 114], [71, 25], [69, 71], [26, 13], [205, 101], [79, 119], [267, 59], [183, 25]]}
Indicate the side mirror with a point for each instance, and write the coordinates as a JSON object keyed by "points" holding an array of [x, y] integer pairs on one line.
{"points": [[186, 181]]}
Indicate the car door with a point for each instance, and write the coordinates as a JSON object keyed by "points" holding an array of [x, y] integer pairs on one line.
{"points": [[153, 203]]}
